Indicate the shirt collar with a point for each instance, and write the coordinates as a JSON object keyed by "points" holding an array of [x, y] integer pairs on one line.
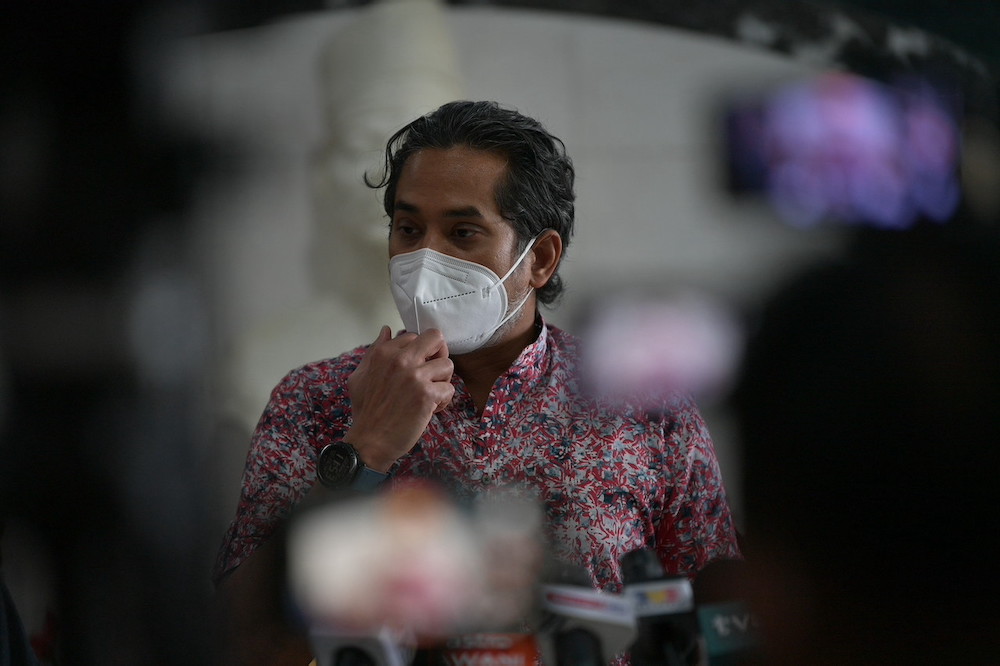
{"points": [[533, 361]]}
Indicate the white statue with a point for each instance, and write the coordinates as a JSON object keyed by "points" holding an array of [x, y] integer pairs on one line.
{"points": [[393, 63]]}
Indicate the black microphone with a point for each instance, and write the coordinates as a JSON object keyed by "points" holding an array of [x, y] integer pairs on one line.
{"points": [[338, 647], [664, 608], [727, 624], [580, 625]]}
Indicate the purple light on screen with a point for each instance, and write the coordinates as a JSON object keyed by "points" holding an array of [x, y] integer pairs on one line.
{"points": [[845, 148]]}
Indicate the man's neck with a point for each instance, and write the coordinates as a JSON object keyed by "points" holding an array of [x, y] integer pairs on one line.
{"points": [[481, 369]]}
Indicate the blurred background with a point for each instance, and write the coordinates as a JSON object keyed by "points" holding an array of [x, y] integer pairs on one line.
{"points": [[183, 220]]}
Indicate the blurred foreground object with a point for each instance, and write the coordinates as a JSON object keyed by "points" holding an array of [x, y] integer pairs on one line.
{"points": [[580, 625], [103, 336], [668, 627], [413, 562], [868, 412], [643, 345], [412, 577]]}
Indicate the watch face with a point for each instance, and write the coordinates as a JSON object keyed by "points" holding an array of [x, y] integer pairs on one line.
{"points": [[338, 464]]}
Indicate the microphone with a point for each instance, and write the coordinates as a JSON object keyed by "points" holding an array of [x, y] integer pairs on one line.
{"points": [[332, 646], [664, 607], [581, 626], [727, 624], [375, 576], [501, 648]]}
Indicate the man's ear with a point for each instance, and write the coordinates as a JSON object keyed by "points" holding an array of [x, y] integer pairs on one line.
{"points": [[545, 257]]}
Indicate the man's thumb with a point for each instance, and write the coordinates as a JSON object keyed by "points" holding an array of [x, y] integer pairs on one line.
{"points": [[384, 334]]}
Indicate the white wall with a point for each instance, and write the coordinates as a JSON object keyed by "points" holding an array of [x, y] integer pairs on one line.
{"points": [[632, 101]]}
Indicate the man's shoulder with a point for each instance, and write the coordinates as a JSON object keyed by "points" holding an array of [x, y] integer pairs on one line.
{"points": [[327, 370]]}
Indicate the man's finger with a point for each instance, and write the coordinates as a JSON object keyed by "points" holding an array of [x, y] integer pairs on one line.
{"points": [[439, 369], [443, 393], [431, 344], [442, 351], [385, 333]]}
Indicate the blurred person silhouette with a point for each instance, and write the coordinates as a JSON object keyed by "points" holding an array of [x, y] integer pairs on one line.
{"points": [[868, 412], [15, 646], [15, 649]]}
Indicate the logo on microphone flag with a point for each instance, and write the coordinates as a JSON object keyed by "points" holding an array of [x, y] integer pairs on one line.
{"points": [[587, 604], [661, 597]]}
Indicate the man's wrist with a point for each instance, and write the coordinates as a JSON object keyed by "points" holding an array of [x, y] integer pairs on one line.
{"points": [[370, 449]]}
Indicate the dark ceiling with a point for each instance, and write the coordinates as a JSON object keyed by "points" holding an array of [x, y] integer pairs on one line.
{"points": [[972, 24], [957, 30]]}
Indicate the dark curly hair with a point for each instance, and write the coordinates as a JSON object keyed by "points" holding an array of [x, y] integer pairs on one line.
{"points": [[536, 192]]}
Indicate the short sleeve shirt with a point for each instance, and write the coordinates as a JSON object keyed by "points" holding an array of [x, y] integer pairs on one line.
{"points": [[613, 479]]}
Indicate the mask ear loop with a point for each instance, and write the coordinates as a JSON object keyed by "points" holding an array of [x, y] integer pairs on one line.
{"points": [[524, 254], [515, 310], [517, 263]]}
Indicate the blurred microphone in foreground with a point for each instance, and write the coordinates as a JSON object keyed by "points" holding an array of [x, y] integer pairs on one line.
{"points": [[664, 607], [408, 576], [728, 627], [507, 529], [335, 646], [581, 626]]}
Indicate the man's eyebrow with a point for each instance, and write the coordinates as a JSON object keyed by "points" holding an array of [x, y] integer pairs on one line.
{"points": [[467, 211], [464, 211]]}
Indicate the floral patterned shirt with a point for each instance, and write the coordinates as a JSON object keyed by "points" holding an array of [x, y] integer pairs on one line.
{"points": [[612, 479]]}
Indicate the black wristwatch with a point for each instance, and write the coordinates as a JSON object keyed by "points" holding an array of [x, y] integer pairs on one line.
{"points": [[340, 467]]}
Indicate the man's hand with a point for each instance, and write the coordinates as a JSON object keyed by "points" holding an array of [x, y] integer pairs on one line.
{"points": [[400, 383]]}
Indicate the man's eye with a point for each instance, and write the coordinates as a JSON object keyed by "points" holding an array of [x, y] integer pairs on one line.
{"points": [[464, 233]]}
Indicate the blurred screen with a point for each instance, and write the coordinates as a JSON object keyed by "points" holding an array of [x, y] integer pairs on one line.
{"points": [[844, 149]]}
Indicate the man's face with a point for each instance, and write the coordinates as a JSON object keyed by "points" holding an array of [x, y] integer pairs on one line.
{"points": [[445, 201]]}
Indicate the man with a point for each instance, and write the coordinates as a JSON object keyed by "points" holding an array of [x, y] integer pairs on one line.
{"points": [[478, 392]]}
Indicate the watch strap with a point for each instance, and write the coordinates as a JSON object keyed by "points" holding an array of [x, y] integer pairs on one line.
{"points": [[368, 479]]}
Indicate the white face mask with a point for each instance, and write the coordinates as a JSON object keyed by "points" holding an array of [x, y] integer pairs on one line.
{"points": [[464, 300]]}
